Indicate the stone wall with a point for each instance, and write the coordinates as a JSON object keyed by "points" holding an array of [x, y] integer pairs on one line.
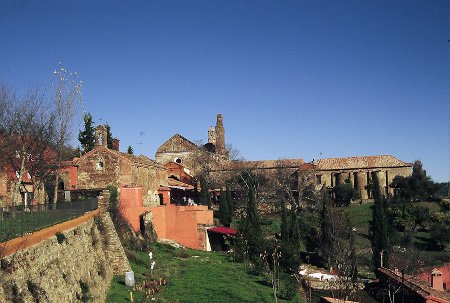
{"points": [[101, 167], [55, 269], [167, 157], [98, 169]]}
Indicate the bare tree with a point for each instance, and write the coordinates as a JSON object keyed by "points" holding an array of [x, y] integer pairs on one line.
{"points": [[340, 253], [26, 131], [67, 100]]}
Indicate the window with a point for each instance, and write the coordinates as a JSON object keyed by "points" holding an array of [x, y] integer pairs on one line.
{"points": [[99, 165], [319, 179], [179, 160]]}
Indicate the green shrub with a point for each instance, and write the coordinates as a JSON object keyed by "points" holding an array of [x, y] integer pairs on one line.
{"points": [[445, 205], [85, 295], [343, 194], [60, 237], [113, 197]]}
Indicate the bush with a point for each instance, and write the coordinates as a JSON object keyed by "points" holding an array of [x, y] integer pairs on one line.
{"points": [[113, 195], [343, 194], [440, 233], [288, 287], [445, 205], [85, 295], [61, 238]]}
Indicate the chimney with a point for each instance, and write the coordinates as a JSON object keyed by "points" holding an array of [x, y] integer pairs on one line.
{"points": [[436, 280], [115, 144]]}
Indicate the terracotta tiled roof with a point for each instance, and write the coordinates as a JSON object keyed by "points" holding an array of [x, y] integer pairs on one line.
{"points": [[139, 160], [178, 184], [261, 164], [360, 162], [177, 143], [420, 287]]}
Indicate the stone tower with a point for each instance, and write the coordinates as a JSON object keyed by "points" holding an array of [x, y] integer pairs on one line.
{"points": [[220, 137], [211, 135]]}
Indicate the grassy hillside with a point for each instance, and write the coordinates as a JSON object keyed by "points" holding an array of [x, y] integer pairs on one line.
{"points": [[360, 215], [193, 276]]}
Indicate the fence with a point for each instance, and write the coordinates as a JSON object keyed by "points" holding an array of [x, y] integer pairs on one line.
{"points": [[18, 220]]}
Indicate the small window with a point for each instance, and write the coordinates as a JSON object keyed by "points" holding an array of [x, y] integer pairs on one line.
{"points": [[100, 165], [178, 160], [319, 179]]}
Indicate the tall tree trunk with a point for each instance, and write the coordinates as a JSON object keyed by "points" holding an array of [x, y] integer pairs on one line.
{"points": [[19, 182]]}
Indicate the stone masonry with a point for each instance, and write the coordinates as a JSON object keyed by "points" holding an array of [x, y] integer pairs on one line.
{"points": [[54, 269]]}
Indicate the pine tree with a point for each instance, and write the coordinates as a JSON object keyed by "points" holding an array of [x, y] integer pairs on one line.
{"points": [[87, 136], [204, 194], [223, 209], [378, 227], [229, 203], [130, 150]]}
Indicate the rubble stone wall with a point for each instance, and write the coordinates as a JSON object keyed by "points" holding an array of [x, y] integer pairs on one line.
{"points": [[56, 269]]}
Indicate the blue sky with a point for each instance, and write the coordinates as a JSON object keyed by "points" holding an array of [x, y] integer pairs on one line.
{"points": [[293, 79]]}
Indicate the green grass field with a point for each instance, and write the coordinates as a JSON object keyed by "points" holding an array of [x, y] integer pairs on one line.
{"points": [[194, 276]]}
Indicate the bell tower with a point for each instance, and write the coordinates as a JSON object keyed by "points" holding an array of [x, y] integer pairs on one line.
{"points": [[220, 137], [101, 135]]}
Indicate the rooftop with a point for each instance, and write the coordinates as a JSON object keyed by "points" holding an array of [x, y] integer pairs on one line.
{"points": [[360, 162]]}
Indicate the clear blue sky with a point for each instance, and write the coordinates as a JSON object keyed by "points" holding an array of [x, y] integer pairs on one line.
{"points": [[303, 79]]}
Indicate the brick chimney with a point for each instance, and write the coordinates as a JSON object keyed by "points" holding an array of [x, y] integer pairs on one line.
{"points": [[115, 144], [436, 280]]}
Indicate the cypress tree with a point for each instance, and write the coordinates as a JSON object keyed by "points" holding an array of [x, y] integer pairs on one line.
{"points": [[130, 150], [230, 205], [378, 227], [290, 239], [108, 136], [251, 230], [86, 136], [223, 209], [325, 226], [204, 194]]}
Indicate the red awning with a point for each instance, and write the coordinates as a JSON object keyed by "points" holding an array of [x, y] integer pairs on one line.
{"points": [[223, 230]]}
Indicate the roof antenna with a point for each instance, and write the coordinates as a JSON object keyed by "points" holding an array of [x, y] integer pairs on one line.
{"points": [[141, 133]]}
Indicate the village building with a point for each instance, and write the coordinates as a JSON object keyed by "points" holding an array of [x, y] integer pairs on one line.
{"points": [[428, 285], [146, 188], [8, 180], [328, 172], [102, 167], [359, 172], [180, 150]]}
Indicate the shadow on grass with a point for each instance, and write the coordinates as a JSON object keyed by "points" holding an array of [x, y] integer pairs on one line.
{"points": [[264, 283]]}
